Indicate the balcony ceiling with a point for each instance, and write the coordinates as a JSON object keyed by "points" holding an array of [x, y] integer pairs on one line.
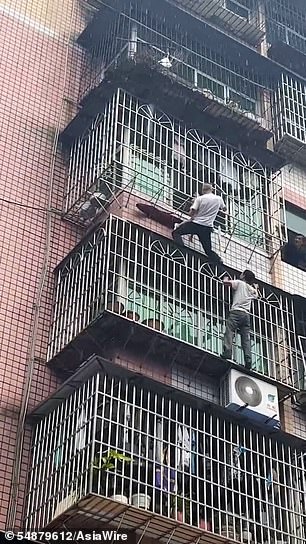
{"points": [[294, 150]]}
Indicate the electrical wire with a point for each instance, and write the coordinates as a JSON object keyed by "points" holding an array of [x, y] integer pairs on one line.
{"points": [[17, 461], [21, 205]]}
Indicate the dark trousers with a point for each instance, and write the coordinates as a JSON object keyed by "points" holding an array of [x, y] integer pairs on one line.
{"points": [[203, 233], [238, 320]]}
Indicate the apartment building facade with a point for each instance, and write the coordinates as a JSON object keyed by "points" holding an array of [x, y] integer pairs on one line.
{"points": [[171, 95]]}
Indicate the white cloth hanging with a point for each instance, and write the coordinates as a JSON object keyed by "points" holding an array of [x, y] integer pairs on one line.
{"points": [[127, 425], [179, 152], [159, 441], [184, 448], [80, 436]]}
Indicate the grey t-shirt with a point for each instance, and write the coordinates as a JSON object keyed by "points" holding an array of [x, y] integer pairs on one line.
{"points": [[243, 295]]}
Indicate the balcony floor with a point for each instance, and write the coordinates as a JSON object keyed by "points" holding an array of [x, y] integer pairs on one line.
{"points": [[97, 513]]}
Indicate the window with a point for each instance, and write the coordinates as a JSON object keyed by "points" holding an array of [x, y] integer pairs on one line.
{"points": [[296, 40], [243, 102], [182, 70], [237, 8], [294, 252], [244, 201], [150, 177], [295, 218], [204, 82], [293, 97]]}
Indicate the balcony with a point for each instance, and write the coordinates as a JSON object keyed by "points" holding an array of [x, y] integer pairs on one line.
{"points": [[191, 474], [192, 61], [238, 18], [286, 33], [134, 147], [124, 288], [289, 119]]}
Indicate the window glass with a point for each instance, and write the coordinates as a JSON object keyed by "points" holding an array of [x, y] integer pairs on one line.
{"points": [[205, 82], [244, 203], [150, 177], [296, 219]]}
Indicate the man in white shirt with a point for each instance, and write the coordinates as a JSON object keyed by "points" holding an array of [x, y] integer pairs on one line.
{"points": [[203, 214], [245, 290]]}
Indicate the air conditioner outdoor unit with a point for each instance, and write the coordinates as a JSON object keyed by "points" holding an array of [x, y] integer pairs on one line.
{"points": [[251, 397]]}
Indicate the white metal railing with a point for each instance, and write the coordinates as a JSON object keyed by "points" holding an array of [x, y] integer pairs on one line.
{"points": [[134, 146], [183, 463], [289, 110], [133, 273]]}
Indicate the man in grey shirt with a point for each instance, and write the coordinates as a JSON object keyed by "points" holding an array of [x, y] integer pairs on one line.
{"points": [[203, 213], [245, 291]]}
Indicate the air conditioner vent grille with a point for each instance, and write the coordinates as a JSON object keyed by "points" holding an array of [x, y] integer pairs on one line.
{"points": [[248, 391]]}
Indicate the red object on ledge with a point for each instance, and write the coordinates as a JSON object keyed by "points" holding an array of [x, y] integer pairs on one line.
{"points": [[167, 219]]}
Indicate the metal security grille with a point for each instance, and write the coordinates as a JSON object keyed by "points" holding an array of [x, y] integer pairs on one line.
{"points": [[130, 272], [242, 18], [138, 30], [286, 22], [135, 147], [185, 463], [290, 110], [80, 291]]}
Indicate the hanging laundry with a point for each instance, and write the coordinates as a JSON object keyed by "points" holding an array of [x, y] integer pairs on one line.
{"points": [[159, 441], [165, 475], [127, 427], [179, 152], [194, 450], [80, 436], [236, 469], [184, 448]]}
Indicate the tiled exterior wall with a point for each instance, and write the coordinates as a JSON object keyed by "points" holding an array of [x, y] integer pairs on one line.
{"points": [[294, 420], [39, 84]]}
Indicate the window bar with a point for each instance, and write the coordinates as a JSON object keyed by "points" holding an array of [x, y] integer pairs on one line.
{"points": [[81, 299], [77, 180], [71, 290], [58, 316], [97, 153], [163, 430], [156, 456], [70, 175], [92, 274], [286, 476], [87, 175], [167, 458]]}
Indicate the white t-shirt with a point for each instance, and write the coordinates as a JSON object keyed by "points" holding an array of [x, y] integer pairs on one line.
{"points": [[243, 295], [207, 207]]}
